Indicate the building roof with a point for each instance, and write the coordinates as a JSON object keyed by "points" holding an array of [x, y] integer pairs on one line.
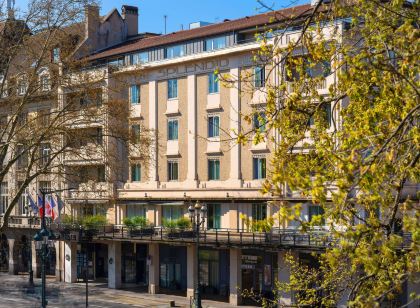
{"points": [[210, 30]]}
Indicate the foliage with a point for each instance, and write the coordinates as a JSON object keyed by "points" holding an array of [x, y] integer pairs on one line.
{"points": [[94, 221], [181, 223], [264, 225], [136, 222], [360, 165]]}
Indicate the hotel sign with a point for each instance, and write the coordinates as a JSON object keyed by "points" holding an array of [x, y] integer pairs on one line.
{"points": [[204, 66]]}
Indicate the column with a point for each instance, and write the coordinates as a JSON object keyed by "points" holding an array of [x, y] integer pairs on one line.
{"points": [[235, 121], [57, 245], [70, 262], [153, 125], [153, 263], [114, 265], [235, 284], [13, 266], [285, 298], [192, 130], [36, 267], [191, 270]]}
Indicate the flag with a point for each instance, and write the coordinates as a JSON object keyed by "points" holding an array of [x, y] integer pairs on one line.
{"points": [[40, 205], [32, 203], [47, 206], [54, 207]]}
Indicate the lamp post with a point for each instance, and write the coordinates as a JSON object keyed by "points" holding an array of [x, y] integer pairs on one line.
{"points": [[43, 240], [198, 215], [30, 270], [85, 263]]}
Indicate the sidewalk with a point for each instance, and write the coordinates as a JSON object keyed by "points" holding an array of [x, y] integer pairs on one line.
{"points": [[15, 292]]}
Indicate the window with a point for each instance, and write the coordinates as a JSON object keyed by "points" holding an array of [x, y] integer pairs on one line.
{"points": [[4, 197], [172, 212], [172, 88], [134, 94], [315, 210], [259, 76], [45, 82], [101, 174], [326, 114], [173, 129], [23, 201], [136, 210], [116, 62], [139, 58], [44, 153], [44, 118], [215, 43], [135, 173], [3, 87], [175, 51], [259, 121], [22, 157], [56, 55], [45, 185], [172, 170], [89, 99], [135, 133], [22, 87], [214, 124], [259, 211], [259, 164], [214, 169], [213, 83], [97, 136], [213, 216]]}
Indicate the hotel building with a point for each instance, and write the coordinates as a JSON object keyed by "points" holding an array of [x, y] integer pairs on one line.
{"points": [[169, 87]]}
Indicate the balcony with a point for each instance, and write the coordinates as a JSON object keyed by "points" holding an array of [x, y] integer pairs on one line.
{"points": [[86, 154], [26, 222], [92, 191]]}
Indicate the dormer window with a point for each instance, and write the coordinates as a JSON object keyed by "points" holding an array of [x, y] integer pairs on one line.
{"points": [[175, 51]]}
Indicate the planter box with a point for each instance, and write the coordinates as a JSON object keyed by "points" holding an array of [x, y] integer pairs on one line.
{"points": [[141, 232]]}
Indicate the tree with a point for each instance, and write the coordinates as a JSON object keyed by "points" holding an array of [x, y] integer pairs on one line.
{"points": [[53, 110], [352, 149]]}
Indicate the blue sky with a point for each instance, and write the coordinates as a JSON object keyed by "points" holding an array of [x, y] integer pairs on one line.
{"points": [[183, 12]]}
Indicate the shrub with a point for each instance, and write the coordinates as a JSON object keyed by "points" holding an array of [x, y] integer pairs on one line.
{"points": [[94, 221], [170, 224], [183, 223], [136, 222]]}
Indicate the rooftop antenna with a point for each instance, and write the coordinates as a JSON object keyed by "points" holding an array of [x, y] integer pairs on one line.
{"points": [[165, 17]]}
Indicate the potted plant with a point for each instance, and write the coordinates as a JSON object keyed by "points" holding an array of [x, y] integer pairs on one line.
{"points": [[138, 225], [93, 223], [185, 227]]}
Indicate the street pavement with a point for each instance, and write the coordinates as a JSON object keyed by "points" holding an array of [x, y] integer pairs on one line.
{"points": [[15, 292]]}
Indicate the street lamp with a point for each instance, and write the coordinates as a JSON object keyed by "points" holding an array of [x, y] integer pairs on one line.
{"points": [[85, 263], [44, 239], [198, 215]]}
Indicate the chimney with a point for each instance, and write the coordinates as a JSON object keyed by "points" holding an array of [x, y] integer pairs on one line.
{"points": [[91, 20], [130, 14]]}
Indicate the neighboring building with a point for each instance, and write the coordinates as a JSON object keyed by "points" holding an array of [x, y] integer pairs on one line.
{"points": [[169, 86]]}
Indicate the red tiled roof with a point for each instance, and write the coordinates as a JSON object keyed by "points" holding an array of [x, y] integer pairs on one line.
{"points": [[227, 26]]}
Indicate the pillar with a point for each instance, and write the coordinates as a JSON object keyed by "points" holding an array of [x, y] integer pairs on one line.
{"points": [[235, 124], [235, 285], [191, 270], [153, 263], [153, 125], [70, 262], [13, 266], [192, 130], [58, 260], [285, 298], [36, 266], [114, 265]]}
